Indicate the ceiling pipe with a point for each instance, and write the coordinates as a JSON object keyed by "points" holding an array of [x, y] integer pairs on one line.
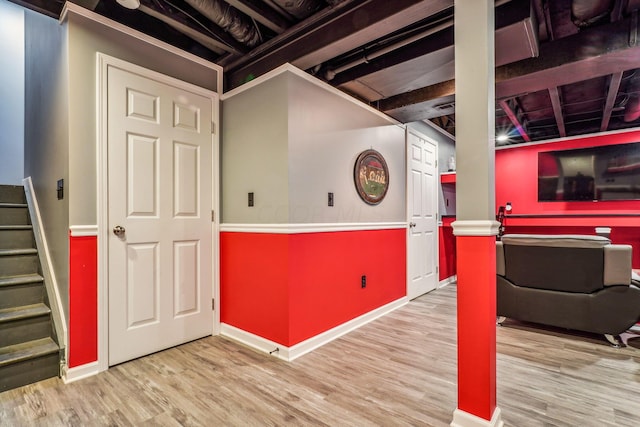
{"points": [[229, 19], [587, 12], [330, 73], [300, 9], [129, 4], [632, 107], [366, 57]]}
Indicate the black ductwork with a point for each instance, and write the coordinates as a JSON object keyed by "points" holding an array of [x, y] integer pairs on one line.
{"points": [[229, 19], [300, 9], [585, 13]]}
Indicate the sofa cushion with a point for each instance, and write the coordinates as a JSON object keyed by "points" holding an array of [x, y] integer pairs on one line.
{"points": [[560, 240], [557, 268]]}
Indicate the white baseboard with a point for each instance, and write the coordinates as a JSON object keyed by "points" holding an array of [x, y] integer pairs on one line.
{"points": [[465, 419], [449, 280], [304, 347], [255, 341], [80, 372]]}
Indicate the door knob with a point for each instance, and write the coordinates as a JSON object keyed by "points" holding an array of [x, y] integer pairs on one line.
{"points": [[118, 230], [412, 224]]}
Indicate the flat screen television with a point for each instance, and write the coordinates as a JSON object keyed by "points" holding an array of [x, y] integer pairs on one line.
{"points": [[610, 172]]}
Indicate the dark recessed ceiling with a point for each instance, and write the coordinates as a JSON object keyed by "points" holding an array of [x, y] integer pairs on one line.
{"points": [[563, 67]]}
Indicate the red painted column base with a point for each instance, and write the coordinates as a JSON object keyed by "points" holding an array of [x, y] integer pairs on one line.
{"points": [[476, 304]]}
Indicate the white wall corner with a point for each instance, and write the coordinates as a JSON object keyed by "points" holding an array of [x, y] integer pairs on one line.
{"points": [[79, 372], [465, 419], [290, 353], [449, 280]]}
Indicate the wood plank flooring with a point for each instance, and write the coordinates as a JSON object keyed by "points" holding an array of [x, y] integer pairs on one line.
{"points": [[399, 370]]}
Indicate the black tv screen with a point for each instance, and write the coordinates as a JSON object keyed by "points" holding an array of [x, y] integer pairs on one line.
{"points": [[610, 172]]}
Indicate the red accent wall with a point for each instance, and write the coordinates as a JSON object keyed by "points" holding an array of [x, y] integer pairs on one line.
{"points": [[290, 287], [517, 182], [446, 249], [83, 300], [517, 178]]}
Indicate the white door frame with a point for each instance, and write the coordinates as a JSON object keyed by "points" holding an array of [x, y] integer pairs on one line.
{"points": [[103, 62], [408, 205]]}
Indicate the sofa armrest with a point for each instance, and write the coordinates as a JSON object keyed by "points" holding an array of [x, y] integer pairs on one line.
{"points": [[500, 268], [617, 265]]}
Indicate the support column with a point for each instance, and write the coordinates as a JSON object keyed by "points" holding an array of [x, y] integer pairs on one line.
{"points": [[475, 227]]}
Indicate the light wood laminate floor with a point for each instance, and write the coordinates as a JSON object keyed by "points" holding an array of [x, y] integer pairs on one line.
{"points": [[399, 370]]}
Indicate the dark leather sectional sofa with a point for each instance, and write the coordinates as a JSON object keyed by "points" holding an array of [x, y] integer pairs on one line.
{"points": [[569, 281]]}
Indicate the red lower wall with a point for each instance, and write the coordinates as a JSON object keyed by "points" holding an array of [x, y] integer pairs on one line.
{"points": [[83, 300], [290, 287], [446, 249]]}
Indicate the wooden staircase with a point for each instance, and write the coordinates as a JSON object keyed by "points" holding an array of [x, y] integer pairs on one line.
{"points": [[28, 348]]}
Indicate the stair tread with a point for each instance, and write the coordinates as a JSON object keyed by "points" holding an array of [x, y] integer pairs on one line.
{"points": [[25, 251], [13, 205], [20, 280], [28, 350], [16, 227], [23, 312]]}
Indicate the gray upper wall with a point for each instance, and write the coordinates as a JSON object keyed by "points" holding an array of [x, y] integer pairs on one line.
{"points": [[11, 93], [46, 151], [254, 156], [291, 140], [327, 132]]}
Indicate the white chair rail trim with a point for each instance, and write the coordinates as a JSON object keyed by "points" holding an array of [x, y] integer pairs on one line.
{"points": [[83, 230], [475, 228], [310, 228]]}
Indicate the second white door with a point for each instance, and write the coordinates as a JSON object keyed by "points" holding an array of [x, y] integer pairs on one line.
{"points": [[160, 201], [422, 211]]}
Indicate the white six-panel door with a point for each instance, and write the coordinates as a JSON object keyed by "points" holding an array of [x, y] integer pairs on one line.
{"points": [[422, 188], [160, 194]]}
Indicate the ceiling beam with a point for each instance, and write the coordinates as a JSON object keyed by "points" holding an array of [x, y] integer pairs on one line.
{"points": [[261, 13], [504, 104], [554, 94], [594, 53], [46, 7], [612, 93], [330, 32]]}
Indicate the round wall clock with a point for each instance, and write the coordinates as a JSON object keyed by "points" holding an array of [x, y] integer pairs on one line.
{"points": [[371, 176]]}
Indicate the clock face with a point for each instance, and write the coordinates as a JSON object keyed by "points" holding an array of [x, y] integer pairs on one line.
{"points": [[371, 176]]}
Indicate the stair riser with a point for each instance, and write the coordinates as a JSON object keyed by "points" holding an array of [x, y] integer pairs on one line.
{"points": [[29, 371], [16, 239], [18, 265], [14, 216], [23, 330], [19, 295], [12, 194]]}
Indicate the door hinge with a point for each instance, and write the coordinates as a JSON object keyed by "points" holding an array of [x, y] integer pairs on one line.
{"points": [[437, 269], [213, 216], [213, 128], [213, 304]]}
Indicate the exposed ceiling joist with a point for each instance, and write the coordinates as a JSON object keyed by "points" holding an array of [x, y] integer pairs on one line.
{"points": [[612, 93], [554, 94], [504, 104], [42, 6], [334, 30], [591, 53]]}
